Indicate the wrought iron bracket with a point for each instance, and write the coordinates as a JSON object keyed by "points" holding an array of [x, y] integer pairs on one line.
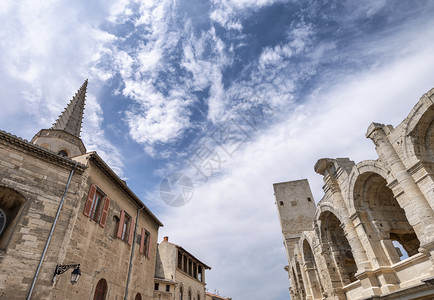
{"points": [[60, 269]]}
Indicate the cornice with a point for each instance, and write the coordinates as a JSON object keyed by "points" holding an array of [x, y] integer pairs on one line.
{"points": [[40, 152]]}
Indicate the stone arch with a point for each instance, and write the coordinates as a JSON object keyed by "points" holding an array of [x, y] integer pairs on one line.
{"points": [[189, 295], [366, 166], [342, 266], [11, 205], [384, 220], [181, 292], [419, 129], [311, 268]]}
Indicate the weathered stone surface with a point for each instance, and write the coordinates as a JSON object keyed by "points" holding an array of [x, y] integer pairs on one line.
{"points": [[348, 251]]}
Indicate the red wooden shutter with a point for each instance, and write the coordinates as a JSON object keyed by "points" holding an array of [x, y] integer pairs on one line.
{"points": [[121, 224], [130, 238], [149, 245], [142, 242], [89, 200], [104, 212]]}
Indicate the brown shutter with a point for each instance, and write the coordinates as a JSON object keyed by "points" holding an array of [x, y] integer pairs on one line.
{"points": [[121, 224], [142, 242], [149, 245], [104, 212], [89, 200], [130, 238]]}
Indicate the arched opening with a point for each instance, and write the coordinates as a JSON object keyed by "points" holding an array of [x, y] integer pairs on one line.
{"points": [[100, 290], [11, 203], [378, 207], [63, 152], [189, 295], [198, 296], [181, 293], [311, 270], [340, 249], [138, 297]]}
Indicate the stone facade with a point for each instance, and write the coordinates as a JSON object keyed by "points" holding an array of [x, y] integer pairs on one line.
{"points": [[371, 235], [174, 264], [99, 222]]}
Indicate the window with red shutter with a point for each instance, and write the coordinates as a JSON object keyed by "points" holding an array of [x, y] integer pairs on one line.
{"points": [[97, 205], [89, 201], [142, 242], [104, 213], [131, 232]]}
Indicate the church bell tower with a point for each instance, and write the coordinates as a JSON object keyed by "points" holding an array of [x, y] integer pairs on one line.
{"points": [[63, 137]]}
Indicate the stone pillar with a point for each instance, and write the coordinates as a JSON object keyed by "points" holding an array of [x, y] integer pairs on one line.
{"points": [[312, 280], [327, 168], [306, 283], [417, 209], [324, 167]]}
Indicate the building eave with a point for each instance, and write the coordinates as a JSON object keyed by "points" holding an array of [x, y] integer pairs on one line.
{"points": [[192, 256], [40, 152], [122, 185]]}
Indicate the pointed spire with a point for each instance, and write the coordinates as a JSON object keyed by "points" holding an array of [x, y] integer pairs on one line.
{"points": [[72, 116]]}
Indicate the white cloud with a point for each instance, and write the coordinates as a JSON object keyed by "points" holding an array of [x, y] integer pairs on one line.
{"points": [[231, 223], [47, 51]]}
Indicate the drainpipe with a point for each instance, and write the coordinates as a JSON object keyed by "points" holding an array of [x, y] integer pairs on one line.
{"points": [[132, 253], [51, 233]]}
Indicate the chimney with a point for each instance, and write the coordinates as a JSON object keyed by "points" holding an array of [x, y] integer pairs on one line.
{"points": [[166, 238]]}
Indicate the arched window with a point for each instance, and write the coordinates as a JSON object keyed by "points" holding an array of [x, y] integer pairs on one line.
{"points": [[63, 153], [138, 297], [312, 272], [189, 295], [198, 296], [11, 203], [181, 293], [101, 290]]}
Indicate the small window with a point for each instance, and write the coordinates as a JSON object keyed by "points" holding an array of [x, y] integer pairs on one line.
{"points": [[167, 288], [308, 199], [156, 286], [11, 202], [95, 211], [126, 228], [97, 205], [281, 202], [138, 297], [63, 153], [181, 293]]}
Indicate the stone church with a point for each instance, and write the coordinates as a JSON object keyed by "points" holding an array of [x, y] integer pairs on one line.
{"points": [[372, 234], [63, 213]]}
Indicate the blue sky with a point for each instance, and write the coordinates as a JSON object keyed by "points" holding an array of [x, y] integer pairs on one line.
{"points": [[235, 95]]}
